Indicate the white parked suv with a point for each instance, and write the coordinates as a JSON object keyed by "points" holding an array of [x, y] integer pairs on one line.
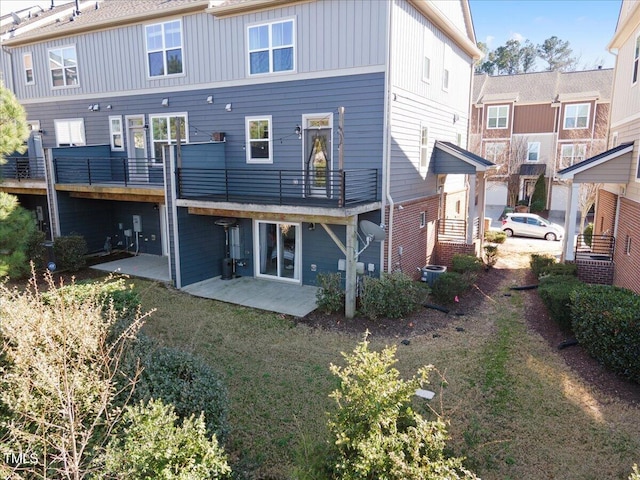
{"points": [[531, 225]]}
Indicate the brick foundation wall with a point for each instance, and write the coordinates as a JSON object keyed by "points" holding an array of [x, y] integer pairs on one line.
{"points": [[627, 271], [446, 251], [596, 272], [418, 244]]}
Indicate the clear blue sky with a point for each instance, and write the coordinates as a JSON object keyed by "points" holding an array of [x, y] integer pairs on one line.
{"points": [[588, 25]]}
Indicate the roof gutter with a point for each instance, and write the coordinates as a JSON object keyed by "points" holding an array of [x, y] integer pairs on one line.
{"points": [[231, 9], [626, 30]]}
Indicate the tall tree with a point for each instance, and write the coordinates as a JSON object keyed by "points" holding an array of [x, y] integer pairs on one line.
{"points": [[528, 55], [486, 64], [508, 58], [13, 124], [557, 54]]}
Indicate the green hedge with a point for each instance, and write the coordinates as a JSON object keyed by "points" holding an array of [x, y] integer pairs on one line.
{"points": [[70, 252], [466, 264], [330, 294], [555, 291], [606, 322], [541, 263], [495, 236], [393, 295], [449, 285]]}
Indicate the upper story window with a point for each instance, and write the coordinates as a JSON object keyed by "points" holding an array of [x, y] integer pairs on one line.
{"points": [[27, 62], [533, 151], [636, 60], [69, 132], [63, 66], [576, 116], [497, 116], [271, 47], [164, 48], [424, 148], [426, 69], [571, 154], [258, 133], [165, 130], [115, 133]]}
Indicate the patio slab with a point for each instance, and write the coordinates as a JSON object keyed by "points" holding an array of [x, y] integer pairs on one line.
{"points": [[153, 267]]}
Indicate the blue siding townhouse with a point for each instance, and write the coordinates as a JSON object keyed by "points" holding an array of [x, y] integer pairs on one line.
{"points": [[253, 137]]}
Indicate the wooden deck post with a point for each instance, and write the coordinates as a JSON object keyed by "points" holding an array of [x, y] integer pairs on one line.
{"points": [[350, 280]]}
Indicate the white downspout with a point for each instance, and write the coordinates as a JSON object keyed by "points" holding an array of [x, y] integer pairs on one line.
{"points": [[386, 171]]}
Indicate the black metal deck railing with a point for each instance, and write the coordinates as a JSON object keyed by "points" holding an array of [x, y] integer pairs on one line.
{"points": [[108, 170], [595, 247], [338, 188], [23, 168]]}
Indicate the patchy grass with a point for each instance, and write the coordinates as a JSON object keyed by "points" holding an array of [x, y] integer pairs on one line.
{"points": [[516, 411]]}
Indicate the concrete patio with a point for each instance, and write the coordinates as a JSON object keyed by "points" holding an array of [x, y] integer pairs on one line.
{"points": [[274, 296]]}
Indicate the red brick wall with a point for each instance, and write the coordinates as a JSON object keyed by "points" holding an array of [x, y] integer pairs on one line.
{"points": [[418, 244], [605, 214], [627, 269], [446, 251], [596, 272]]}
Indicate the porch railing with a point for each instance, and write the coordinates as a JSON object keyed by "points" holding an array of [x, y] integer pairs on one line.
{"points": [[338, 188], [450, 229], [23, 168], [595, 247], [108, 170]]}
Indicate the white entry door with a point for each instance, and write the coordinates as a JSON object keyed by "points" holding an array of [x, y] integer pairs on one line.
{"points": [[137, 150], [318, 159]]}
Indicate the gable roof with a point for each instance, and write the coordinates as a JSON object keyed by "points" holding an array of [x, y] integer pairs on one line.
{"points": [[616, 152], [544, 87], [471, 162], [94, 15]]}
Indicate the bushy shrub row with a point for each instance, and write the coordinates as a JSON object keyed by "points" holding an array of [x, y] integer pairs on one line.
{"points": [[393, 295], [330, 294], [70, 252], [555, 291], [461, 277], [606, 321], [540, 263], [495, 236]]}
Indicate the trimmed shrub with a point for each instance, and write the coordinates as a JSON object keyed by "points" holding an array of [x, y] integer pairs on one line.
{"points": [[588, 234], [35, 250], [70, 252], [448, 286], [570, 269], [393, 295], [540, 263], [495, 236], [152, 445], [462, 263], [330, 295], [490, 255], [555, 291], [606, 322], [182, 379], [539, 196]]}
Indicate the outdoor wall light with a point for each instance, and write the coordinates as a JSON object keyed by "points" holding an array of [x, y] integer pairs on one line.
{"points": [[210, 99], [228, 107], [165, 102], [109, 107], [298, 131], [96, 107]]}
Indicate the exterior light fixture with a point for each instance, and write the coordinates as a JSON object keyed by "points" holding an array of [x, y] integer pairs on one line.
{"points": [[165, 102], [210, 99], [228, 107]]}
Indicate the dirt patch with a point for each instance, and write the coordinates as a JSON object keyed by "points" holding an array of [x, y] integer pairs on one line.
{"points": [[509, 269]]}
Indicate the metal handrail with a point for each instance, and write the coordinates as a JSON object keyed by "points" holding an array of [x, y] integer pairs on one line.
{"points": [[23, 168], [107, 170]]}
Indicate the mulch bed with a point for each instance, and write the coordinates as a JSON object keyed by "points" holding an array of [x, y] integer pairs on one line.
{"points": [[428, 322]]}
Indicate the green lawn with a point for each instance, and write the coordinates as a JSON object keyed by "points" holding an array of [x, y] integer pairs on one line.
{"points": [[515, 410]]}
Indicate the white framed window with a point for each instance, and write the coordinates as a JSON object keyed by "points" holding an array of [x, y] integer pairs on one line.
{"points": [[423, 219], [445, 79], [63, 66], [494, 152], [271, 47], [164, 131], [27, 63], [570, 154], [424, 148], [69, 132], [636, 61], [116, 134], [498, 116], [576, 116], [426, 69], [164, 48], [258, 138], [533, 151]]}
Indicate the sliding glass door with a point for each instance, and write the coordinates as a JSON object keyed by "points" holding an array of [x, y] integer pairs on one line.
{"points": [[277, 247]]}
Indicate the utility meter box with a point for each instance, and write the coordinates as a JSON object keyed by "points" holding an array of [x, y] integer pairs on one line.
{"points": [[137, 223]]}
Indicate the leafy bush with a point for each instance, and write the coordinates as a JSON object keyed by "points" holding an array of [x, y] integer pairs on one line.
{"points": [[182, 379], [16, 228], [393, 295], [495, 236], [152, 445], [606, 321], [635, 474], [570, 269], [539, 196], [448, 286], [376, 432], [35, 250], [462, 263], [330, 295], [490, 255], [70, 252], [540, 263], [588, 234], [555, 291]]}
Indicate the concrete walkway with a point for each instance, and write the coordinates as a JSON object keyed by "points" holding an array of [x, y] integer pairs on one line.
{"points": [[274, 296], [153, 267]]}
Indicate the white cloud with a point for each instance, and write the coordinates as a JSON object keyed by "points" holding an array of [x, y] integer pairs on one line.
{"points": [[489, 40], [517, 36]]}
